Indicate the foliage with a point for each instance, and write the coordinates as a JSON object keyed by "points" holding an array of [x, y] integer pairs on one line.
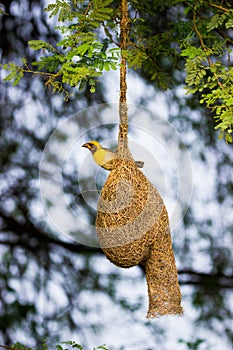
{"points": [[195, 344], [68, 345], [74, 345], [199, 34], [208, 63], [80, 56], [198, 38]]}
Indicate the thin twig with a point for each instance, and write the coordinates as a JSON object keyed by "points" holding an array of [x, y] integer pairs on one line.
{"points": [[41, 73], [219, 7], [204, 48], [201, 39], [109, 35], [87, 9]]}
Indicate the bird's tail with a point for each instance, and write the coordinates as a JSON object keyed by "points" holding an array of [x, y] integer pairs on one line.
{"points": [[139, 164]]}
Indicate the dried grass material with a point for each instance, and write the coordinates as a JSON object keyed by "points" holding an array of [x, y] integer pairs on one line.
{"points": [[132, 228], [126, 213], [161, 273]]}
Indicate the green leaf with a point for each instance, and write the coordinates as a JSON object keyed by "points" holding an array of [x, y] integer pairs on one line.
{"points": [[73, 344], [16, 73], [186, 10], [63, 9], [37, 44], [103, 347], [229, 23], [228, 138], [59, 347], [82, 49], [77, 346], [50, 63], [40, 44], [191, 52]]}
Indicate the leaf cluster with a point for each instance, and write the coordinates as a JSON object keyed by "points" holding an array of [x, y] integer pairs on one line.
{"points": [[191, 35], [208, 71], [194, 35], [80, 56], [194, 345], [67, 345]]}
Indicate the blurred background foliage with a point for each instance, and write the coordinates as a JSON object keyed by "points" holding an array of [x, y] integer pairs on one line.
{"points": [[51, 287]]}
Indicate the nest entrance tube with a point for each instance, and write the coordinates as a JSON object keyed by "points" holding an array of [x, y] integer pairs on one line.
{"points": [[132, 221]]}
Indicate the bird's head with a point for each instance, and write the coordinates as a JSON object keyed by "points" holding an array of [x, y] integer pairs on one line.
{"points": [[93, 146]]}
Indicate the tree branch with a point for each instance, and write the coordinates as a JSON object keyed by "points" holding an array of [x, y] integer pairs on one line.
{"points": [[187, 276], [215, 280], [219, 7], [32, 231]]}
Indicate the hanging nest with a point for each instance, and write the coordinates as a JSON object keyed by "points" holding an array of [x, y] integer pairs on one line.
{"points": [[132, 227], [132, 222]]}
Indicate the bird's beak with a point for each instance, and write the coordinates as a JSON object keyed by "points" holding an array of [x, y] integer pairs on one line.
{"points": [[87, 145]]}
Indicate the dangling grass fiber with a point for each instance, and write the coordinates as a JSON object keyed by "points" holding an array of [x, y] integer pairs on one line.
{"points": [[161, 273]]}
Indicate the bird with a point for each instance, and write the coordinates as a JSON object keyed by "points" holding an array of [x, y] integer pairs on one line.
{"points": [[104, 157]]}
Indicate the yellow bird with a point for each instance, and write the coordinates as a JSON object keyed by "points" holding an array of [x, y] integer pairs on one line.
{"points": [[104, 156]]}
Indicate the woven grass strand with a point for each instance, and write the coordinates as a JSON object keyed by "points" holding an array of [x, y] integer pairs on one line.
{"points": [[123, 150], [161, 273]]}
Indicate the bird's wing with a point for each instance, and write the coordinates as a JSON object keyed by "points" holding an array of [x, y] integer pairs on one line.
{"points": [[103, 156], [139, 164], [109, 153]]}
